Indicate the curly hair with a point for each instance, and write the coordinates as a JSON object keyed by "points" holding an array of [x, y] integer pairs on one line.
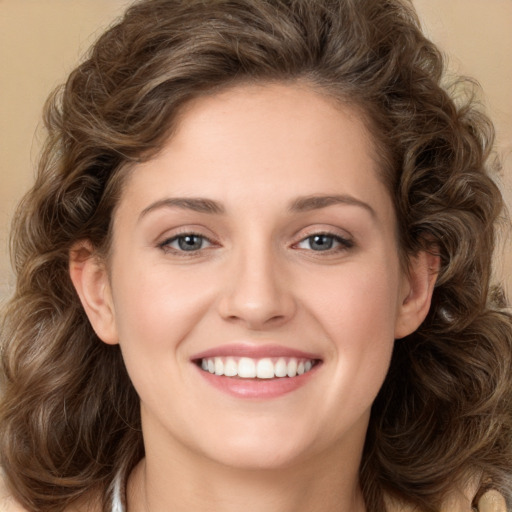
{"points": [[69, 416]]}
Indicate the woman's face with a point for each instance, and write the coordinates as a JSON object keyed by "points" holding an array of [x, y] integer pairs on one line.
{"points": [[260, 241]]}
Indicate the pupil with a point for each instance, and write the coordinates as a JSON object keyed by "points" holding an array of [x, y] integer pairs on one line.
{"points": [[190, 242], [322, 242]]}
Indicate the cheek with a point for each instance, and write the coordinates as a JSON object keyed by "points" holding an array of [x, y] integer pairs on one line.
{"points": [[358, 299], [157, 307], [156, 312], [357, 312]]}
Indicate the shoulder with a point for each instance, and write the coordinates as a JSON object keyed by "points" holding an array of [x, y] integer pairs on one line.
{"points": [[459, 501], [7, 501], [492, 501], [9, 504]]}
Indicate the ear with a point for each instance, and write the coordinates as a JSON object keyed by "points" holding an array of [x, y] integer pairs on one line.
{"points": [[90, 279], [416, 292]]}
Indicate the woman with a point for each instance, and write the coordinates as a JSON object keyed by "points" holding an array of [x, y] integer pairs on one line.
{"points": [[254, 271]]}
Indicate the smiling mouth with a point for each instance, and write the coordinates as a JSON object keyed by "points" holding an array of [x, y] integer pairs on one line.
{"points": [[263, 368]]}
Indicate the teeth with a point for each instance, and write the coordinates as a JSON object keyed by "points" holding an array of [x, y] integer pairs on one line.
{"points": [[291, 369], [265, 369], [248, 368], [281, 369], [219, 366], [230, 368]]}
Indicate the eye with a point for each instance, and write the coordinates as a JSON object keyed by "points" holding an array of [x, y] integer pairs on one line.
{"points": [[324, 242], [187, 242]]}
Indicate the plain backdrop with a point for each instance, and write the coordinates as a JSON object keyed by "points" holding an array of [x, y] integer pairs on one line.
{"points": [[42, 40]]}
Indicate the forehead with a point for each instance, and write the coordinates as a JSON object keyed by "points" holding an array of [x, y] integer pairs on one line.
{"points": [[255, 140], [289, 112]]}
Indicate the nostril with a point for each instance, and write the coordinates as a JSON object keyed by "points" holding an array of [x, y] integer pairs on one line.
{"points": [[256, 298]]}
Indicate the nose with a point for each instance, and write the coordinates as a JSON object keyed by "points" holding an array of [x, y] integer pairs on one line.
{"points": [[257, 292]]}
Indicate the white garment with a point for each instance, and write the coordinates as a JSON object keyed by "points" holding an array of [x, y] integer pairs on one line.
{"points": [[491, 501], [117, 495]]}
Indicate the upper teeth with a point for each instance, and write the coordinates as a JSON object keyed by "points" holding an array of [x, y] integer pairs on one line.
{"points": [[248, 368]]}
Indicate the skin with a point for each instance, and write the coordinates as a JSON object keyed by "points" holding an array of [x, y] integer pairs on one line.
{"points": [[258, 279]]}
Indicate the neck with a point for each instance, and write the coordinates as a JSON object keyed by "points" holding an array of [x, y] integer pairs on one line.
{"points": [[331, 486]]}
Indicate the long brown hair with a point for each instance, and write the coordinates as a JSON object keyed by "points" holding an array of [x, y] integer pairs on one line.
{"points": [[69, 415]]}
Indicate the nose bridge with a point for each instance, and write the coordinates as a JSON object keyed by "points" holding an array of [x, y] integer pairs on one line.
{"points": [[256, 292]]}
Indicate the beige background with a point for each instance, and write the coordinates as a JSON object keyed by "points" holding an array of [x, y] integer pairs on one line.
{"points": [[41, 40]]}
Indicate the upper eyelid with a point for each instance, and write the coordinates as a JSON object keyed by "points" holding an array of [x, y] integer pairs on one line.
{"points": [[300, 236], [346, 242], [173, 233], [329, 231], [168, 239], [167, 249]]}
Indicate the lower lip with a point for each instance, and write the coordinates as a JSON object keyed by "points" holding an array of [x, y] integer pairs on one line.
{"points": [[258, 388]]}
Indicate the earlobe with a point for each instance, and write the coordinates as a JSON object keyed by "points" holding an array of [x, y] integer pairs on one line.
{"points": [[417, 293], [90, 279]]}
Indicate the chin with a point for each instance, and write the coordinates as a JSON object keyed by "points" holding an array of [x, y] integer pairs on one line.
{"points": [[260, 449], [258, 457]]}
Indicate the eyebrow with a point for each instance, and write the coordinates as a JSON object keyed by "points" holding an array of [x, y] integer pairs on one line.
{"points": [[196, 204], [301, 204], [315, 202]]}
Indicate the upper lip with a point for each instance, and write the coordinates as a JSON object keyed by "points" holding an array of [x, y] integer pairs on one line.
{"points": [[259, 351]]}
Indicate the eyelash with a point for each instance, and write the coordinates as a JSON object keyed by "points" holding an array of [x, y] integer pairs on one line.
{"points": [[166, 244], [344, 244]]}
